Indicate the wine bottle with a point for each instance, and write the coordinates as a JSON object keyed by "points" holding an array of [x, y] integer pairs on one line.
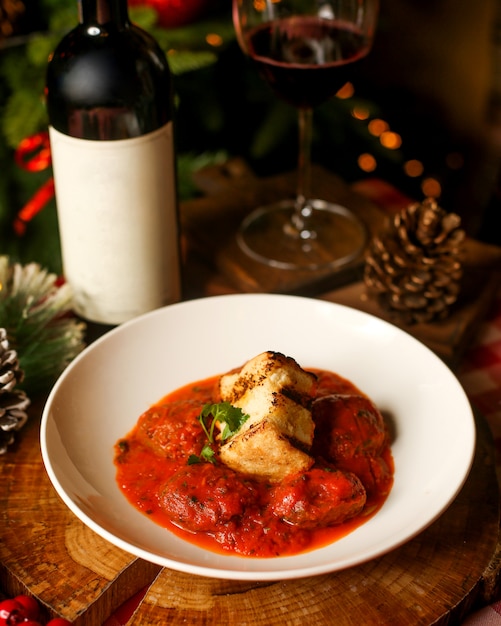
{"points": [[110, 105]]}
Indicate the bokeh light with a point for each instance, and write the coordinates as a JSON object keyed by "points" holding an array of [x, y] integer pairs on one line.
{"points": [[390, 140], [366, 162], [431, 187], [377, 127], [413, 168], [360, 113], [213, 39], [346, 91]]}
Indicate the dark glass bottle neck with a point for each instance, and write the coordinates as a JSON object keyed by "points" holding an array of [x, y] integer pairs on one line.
{"points": [[101, 12]]}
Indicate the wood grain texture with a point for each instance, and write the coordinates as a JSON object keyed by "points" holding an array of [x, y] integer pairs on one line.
{"points": [[232, 191], [215, 265], [47, 552], [450, 337], [435, 578]]}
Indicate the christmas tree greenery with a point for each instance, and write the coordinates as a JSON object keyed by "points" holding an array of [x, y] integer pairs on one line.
{"points": [[23, 114], [35, 315], [223, 108], [22, 68]]}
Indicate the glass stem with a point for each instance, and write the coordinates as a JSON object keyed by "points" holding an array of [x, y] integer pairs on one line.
{"points": [[303, 207]]}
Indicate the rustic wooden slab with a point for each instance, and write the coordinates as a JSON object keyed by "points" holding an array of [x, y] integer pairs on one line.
{"points": [[216, 265], [232, 191], [434, 579], [450, 337], [47, 552]]}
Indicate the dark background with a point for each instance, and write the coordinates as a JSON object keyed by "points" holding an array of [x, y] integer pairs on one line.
{"points": [[434, 76]]}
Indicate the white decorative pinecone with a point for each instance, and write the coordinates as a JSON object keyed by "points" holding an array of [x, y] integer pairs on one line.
{"points": [[13, 402]]}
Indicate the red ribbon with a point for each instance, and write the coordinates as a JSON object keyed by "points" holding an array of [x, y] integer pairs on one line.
{"points": [[33, 155]]}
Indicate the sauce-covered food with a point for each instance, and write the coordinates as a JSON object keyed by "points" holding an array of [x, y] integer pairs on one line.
{"points": [[266, 460]]}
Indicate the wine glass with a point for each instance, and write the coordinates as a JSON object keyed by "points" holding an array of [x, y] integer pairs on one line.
{"points": [[304, 49]]}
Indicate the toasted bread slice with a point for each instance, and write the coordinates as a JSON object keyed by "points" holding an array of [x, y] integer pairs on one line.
{"points": [[269, 368], [274, 387], [276, 394], [262, 451], [292, 420]]}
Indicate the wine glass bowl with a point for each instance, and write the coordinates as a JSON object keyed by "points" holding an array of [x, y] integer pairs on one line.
{"points": [[304, 49]]}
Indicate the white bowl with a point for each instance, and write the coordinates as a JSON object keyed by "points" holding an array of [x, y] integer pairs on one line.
{"points": [[100, 396]]}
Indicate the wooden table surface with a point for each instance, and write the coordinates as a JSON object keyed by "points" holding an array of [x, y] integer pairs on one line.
{"points": [[436, 578]]}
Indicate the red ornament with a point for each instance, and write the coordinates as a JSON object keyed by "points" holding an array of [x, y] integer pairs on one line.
{"points": [[30, 606], [11, 612], [24, 610], [173, 13]]}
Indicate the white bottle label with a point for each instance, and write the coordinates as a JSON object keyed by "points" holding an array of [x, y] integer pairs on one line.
{"points": [[116, 204]]}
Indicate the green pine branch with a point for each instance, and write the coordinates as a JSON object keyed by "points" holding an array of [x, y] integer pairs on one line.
{"points": [[36, 313]]}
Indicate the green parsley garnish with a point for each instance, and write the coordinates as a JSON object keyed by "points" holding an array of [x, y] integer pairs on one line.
{"points": [[226, 414], [230, 419]]}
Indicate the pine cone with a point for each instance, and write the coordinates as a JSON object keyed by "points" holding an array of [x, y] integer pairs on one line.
{"points": [[13, 402], [414, 269]]}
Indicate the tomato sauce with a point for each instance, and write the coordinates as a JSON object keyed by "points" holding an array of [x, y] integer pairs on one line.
{"points": [[224, 511]]}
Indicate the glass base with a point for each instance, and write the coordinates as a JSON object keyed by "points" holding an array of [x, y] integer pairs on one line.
{"points": [[334, 236]]}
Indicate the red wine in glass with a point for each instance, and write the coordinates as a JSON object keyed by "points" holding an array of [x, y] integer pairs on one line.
{"points": [[305, 50], [306, 60]]}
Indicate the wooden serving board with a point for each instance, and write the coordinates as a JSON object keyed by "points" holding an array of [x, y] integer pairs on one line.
{"points": [[215, 265], [435, 578], [47, 552], [232, 191], [450, 337]]}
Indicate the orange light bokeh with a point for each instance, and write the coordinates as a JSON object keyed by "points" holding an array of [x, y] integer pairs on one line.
{"points": [[377, 127], [413, 168], [360, 113], [390, 140], [213, 39], [346, 91], [431, 187], [366, 162]]}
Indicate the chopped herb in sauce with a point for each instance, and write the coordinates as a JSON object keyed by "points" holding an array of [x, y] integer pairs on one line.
{"points": [[229, 419]]}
